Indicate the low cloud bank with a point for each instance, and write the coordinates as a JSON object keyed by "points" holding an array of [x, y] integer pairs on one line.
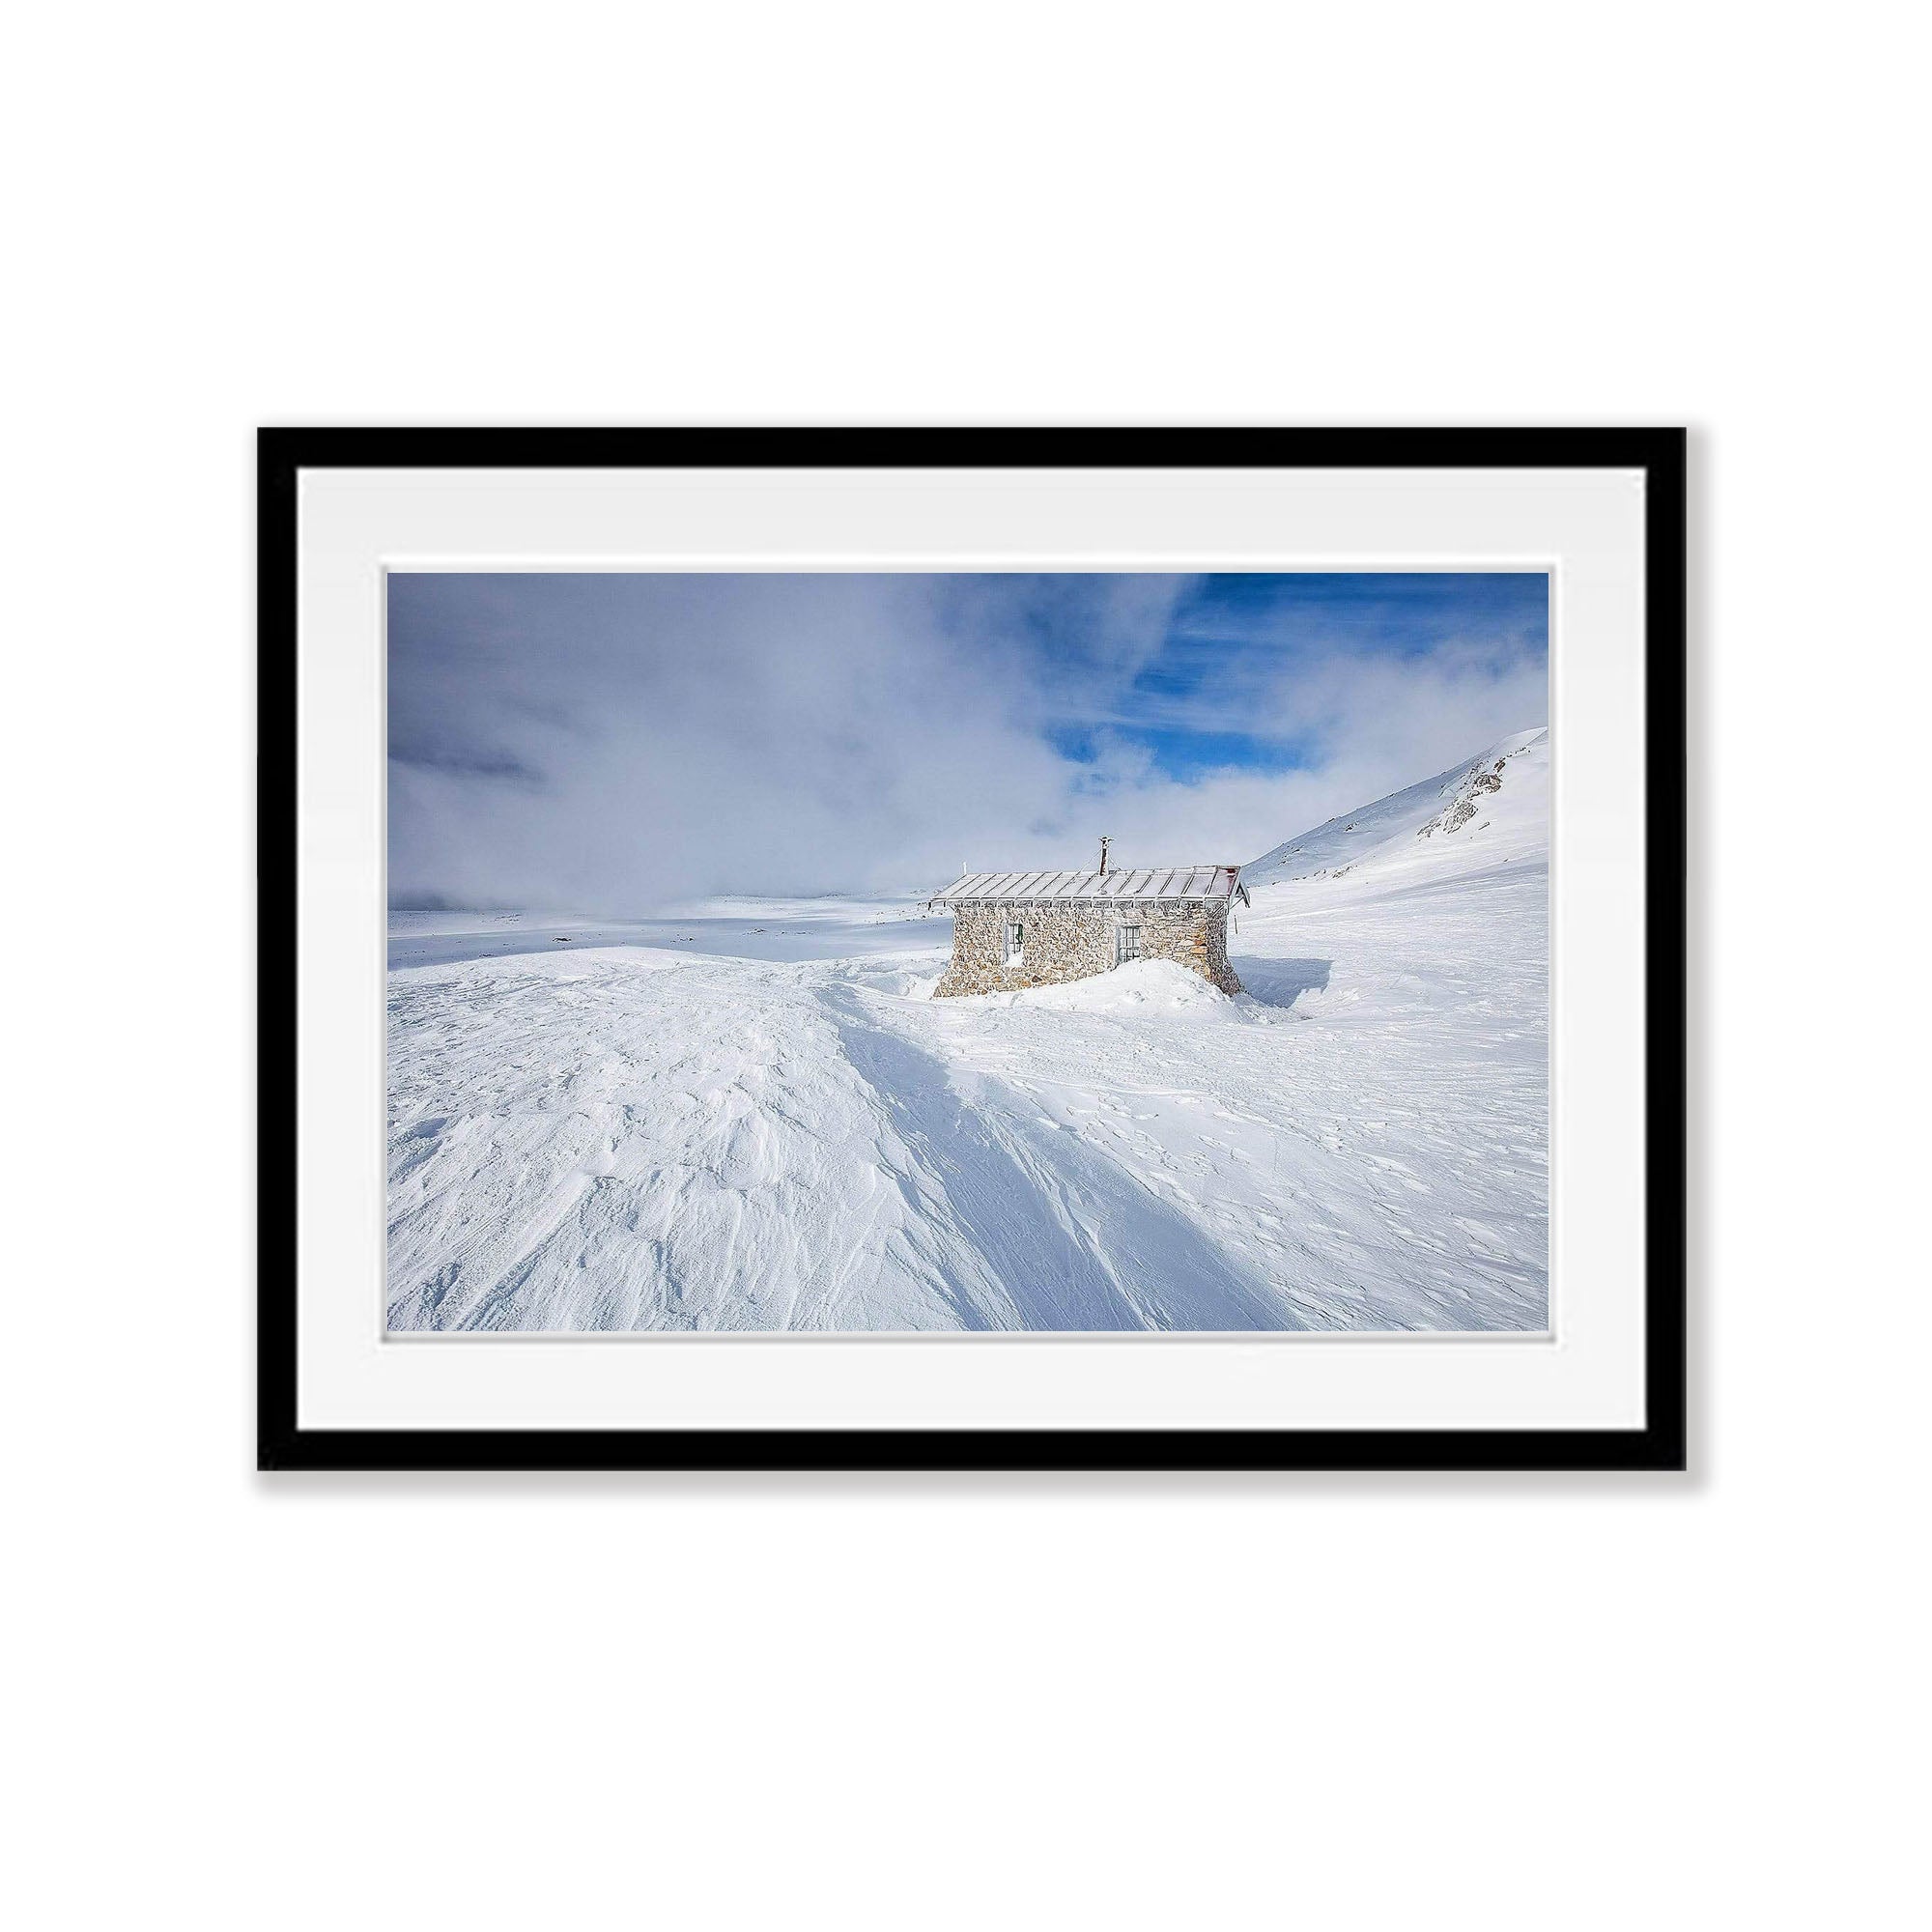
{"points": [[613, 744]]}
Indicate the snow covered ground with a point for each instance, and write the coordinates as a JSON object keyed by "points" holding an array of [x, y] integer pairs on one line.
{"points": [[753, 1117]]}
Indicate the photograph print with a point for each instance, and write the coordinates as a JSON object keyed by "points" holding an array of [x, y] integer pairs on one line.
{"points": [[1084, 954]]}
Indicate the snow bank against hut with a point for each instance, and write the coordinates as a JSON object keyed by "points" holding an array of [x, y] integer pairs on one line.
{"points": [[1142, 989]]}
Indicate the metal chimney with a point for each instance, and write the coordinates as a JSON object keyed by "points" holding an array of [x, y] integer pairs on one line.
{"points": [[1105, 844]]}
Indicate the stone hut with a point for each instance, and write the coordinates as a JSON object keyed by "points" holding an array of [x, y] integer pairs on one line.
{"points": [[1015, 929]]}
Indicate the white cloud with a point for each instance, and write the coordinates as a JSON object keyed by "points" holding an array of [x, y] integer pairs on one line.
{"points": [[622, 744]]}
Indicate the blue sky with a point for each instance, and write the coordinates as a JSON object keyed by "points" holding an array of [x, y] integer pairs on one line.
{"points": [[609, 741], [1199, 704]]}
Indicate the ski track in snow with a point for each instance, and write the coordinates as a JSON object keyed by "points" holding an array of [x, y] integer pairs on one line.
{"points": [[664, 1134]]}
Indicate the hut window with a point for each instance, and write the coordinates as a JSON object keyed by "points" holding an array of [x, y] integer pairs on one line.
{"points": [[1127, 944], [1016, 944]]}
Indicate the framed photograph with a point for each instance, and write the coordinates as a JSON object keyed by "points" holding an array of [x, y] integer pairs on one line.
{"points": [[972, 949]]}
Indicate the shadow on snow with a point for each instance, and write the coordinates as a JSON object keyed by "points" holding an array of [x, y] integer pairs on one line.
{"points": [[1073, 1239], [1280, 983]]}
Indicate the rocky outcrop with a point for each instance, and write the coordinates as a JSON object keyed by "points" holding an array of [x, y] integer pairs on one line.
{"points": [[1462, 808]]}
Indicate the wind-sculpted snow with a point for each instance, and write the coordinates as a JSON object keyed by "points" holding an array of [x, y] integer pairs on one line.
{"points": [[665, 1134]]}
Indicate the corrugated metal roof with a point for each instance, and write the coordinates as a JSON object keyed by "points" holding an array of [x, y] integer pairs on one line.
{"points": [[1153, 882]]}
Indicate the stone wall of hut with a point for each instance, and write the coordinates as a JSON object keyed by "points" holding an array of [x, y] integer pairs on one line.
{"points": [[1073, 939]]}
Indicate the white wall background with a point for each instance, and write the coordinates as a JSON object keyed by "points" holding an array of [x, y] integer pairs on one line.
{"points": [[1385, 1702]]}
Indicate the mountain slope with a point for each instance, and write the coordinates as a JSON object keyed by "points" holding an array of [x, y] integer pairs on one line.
{"points": [[1488, 812]]}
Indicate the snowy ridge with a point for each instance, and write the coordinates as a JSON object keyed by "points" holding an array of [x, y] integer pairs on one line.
{"points": [[1491, 808]]}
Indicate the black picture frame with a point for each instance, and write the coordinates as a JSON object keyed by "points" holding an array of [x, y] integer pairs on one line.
{"points": [[1659, 1444]]}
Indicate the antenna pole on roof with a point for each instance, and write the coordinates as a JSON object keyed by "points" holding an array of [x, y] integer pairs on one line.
{"points": [[1105, 844]]}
